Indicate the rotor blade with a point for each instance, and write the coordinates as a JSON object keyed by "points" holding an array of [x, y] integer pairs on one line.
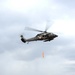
{"points": [[28, 28], [47, 27]]}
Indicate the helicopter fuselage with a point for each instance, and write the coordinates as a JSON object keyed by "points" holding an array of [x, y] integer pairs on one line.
{"points": [[45, 36]]}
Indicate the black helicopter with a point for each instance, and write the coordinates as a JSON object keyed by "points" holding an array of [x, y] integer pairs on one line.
{"points": [[43, 36]]}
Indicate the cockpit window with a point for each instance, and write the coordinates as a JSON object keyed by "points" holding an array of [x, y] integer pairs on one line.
{"points": [[38, 35]]}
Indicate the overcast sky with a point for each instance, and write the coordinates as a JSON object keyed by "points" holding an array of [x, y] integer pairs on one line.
{"points": [[17, 58]]}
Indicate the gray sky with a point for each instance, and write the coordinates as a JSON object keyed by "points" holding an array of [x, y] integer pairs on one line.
{"points": [[17, 58]]}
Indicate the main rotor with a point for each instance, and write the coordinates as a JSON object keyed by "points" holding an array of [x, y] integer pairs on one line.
{"points": [[33, 29]]}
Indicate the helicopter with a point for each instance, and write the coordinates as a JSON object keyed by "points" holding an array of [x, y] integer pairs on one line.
{"points": [[43, 36]]}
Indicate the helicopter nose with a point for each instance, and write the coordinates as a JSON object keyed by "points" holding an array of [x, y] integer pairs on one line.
{"points": [[56, 35]]}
